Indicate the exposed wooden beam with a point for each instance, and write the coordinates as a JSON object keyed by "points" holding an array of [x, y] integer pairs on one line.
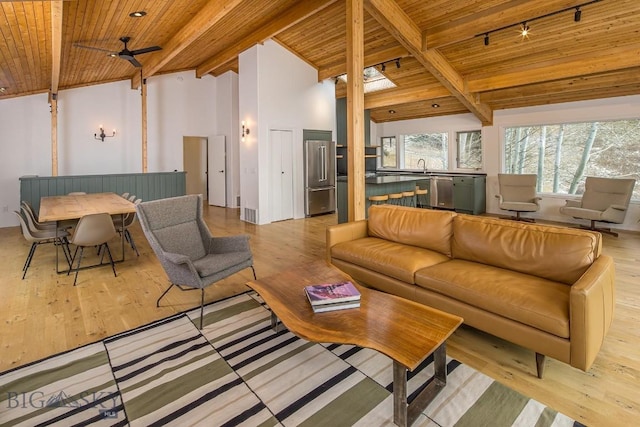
{"points": [[373, 58], [355, 111], [54, 134], [402, 27], [208, 16], [56, 46], [290, 17], [391, 97], [573, 66], [145, 155], [508, 13]]}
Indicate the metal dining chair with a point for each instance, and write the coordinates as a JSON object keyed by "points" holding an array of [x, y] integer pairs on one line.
{"points": [[39, 237], [33, 221], [93, 230]]}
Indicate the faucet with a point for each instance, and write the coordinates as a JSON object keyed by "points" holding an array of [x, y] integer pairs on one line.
{"points": [[424, 165]]}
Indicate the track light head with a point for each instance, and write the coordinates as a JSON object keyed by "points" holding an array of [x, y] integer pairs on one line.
{"points": [[398, 63], [384, 67], [577, 15], [486, 39]]}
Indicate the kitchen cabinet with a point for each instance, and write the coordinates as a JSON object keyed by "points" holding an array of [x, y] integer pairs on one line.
{"points": [[469, 194]]}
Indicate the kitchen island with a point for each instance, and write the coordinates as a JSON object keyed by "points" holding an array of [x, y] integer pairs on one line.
{"points": [[468, 189]]}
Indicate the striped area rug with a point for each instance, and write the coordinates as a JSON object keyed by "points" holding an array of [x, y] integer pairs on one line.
{"points": [[238, 371]]}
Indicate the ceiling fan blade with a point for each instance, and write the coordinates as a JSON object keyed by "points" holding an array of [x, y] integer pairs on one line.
{"points": [[134, 62], [93, 48], [145, 50]]}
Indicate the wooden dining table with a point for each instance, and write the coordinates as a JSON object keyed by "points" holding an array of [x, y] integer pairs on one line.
{"points": [[75, 206]]}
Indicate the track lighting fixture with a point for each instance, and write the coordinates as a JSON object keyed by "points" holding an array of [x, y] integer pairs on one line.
{"points": [[384, 67], [525, 30], [398, 63]]}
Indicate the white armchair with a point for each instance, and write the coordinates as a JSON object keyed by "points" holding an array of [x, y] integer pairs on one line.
{"points": [[518, 194], [604, 200]]}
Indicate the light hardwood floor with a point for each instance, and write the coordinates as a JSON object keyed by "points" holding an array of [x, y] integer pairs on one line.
{"points": [[44, 314]]}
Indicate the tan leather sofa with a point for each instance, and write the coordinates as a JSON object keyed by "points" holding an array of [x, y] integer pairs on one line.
{"points": [[545, 288]]}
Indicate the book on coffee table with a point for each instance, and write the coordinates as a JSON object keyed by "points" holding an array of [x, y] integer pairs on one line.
{"points": [[335, 306], [332, 293]]}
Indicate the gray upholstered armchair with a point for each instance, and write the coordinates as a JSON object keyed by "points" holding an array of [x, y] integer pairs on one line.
{"points": [[190, 256], [604, 200]]}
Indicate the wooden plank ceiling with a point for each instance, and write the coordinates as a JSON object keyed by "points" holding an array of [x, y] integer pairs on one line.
{"points": [[445, 65]]}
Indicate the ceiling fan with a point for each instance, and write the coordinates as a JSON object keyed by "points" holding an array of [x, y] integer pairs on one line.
{"points": [[125, 53]]}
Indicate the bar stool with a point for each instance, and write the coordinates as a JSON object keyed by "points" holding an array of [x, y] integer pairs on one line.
{"points": [[421, 197], [379, 199], [408, 198], [395, 198]]}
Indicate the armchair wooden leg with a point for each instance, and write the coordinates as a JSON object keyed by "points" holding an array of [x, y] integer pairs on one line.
{"points": [[540, 358]]}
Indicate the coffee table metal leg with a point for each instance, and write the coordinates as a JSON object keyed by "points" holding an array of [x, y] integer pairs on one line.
{"points": [[404, 413], [274, 322]]}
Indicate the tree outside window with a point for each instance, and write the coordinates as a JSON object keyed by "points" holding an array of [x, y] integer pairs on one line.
{"points": [[562, 155]]}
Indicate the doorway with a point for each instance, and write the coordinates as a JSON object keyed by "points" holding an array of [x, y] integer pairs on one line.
{"points": [[194, 150], [281, 205]]}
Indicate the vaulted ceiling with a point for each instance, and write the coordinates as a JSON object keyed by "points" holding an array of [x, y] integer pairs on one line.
{"points": [[446, 65]]}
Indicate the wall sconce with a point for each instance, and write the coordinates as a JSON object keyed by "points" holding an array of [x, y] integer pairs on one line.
{"points": [[245, 131], [101, 136]]}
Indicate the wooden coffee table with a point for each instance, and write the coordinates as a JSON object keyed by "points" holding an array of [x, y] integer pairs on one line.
{"points": [[406, 331]]}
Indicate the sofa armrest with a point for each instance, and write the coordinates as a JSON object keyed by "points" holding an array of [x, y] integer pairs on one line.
{"points": [[573, 203], [344, 233], [591, 308]]}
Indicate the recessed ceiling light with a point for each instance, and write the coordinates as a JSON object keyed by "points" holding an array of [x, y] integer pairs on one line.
{"points": [[392, 111], [138, 14], [3, 89], [435, 105]]}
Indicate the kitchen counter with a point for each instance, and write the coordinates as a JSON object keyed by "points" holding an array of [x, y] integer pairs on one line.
{"points": [[468, 194]]}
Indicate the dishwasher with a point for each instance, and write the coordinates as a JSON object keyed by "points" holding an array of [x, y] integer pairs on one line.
{"points": [[441, 189]]}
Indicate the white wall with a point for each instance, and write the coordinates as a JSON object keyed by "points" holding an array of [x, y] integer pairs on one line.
{"points": [[492, 141], [277, 90], [178, 105]]}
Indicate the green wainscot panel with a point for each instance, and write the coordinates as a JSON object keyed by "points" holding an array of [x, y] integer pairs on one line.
{"points": [[145, 186]]}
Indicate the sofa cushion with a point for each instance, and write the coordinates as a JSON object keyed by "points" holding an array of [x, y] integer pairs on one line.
{"points": [[429, 229], [554, 253], [389, 258], [527, 299]]}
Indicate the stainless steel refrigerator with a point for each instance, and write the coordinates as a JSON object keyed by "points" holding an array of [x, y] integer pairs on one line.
{"points": [[319, 177]]}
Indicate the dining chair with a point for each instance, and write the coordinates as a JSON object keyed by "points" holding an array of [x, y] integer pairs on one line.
{"points": [[39, 237], [94, 230], [76, 193], [123, 227], [33, 221], [125, 195]]}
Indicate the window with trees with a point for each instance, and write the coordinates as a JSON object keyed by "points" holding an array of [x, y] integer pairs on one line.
{"points": [[469, 150], [432, 147], [389, 152], [562, 155]]}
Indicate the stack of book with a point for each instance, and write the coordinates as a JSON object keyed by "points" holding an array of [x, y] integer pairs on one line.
{"points": [[332, 296]]}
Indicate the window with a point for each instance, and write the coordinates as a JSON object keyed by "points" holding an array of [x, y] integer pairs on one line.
{"points": [[563, 155], [469, 150], [373, 80], [432, 147], [389, 152]]}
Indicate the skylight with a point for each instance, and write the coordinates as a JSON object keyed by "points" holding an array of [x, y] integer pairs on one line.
{"points": [[374, 80]]}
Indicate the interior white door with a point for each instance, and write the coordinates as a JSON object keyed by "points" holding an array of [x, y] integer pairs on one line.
{"points": [[217, 171], [281, 191]]}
